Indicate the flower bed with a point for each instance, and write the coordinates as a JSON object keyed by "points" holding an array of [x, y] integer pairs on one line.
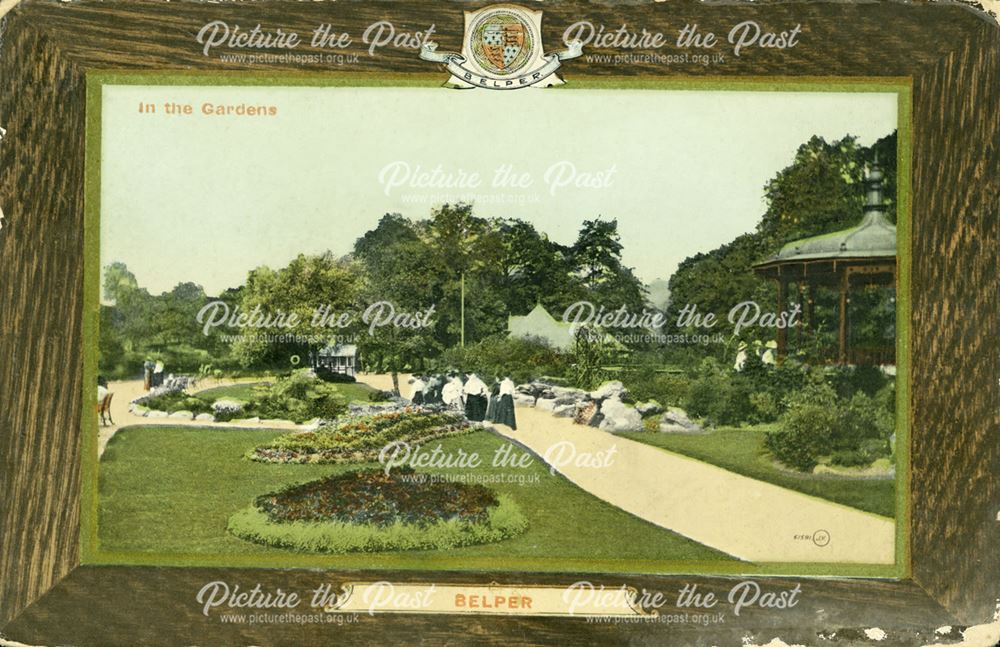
{"points": [[298, 398], [369, 510], [173, 401], [360, 438]]}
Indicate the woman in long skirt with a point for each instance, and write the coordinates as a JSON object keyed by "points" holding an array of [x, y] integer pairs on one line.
{"points": [[475, 399], [505, 407], [491, 407]]}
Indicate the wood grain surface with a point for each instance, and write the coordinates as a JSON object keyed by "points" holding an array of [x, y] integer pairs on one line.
{"points": [[953, 56], [955, 454]]}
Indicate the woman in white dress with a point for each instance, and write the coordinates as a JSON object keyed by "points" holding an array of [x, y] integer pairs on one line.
{"points": [[475, 398], [451, 394]]}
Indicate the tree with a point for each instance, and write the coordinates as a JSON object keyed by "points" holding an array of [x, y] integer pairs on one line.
{"points": [[821, 191], [396, 264], [118, 281], [306, 284], [597, 256], [523, 267], [459, 243]]}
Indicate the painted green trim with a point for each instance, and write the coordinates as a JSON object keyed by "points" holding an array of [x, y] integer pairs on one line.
{"points": [[904, 254], [91, 321], [91, 552]]}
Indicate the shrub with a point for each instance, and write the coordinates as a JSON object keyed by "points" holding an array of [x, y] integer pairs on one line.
{"points": [[176, 401], [719, 395], [327, 375], [298, 398], [817, 423], [380, 396], [647, 383], [226, 410], [850, 458], [806, 432], [764, 407], [522, 359], [848, 380]]}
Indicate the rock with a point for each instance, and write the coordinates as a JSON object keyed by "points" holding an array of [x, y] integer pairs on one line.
{"points": [[564, 411], [565, 393], [178, 382], [205, 417], [584, 411], [157, 414], [676, 421], [524, 400], [139, 410], [227, 406], [312, 425], [650, 408], [613, 389], [246, 421], [619, 418], [182, 415], [546, 404]]}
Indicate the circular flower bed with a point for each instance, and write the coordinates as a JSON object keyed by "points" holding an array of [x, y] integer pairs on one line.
{"points": [[360, 438], [372, 511]]}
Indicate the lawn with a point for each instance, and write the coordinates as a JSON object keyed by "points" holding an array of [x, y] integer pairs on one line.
{"points": [[170, 491], [742, 451], [244, 392]]}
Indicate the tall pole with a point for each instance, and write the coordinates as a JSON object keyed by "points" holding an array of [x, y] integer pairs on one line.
{"points": [[463, 309], [782, 333], [842, 337]]}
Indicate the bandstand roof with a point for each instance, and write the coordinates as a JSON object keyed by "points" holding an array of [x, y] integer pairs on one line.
{"points": [[873, 238]]}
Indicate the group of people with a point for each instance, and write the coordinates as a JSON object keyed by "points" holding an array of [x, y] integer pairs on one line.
{"points": [[467, 394]]}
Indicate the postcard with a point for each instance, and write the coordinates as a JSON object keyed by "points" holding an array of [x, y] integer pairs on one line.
{"points": [[644, 329], [501, 323]]}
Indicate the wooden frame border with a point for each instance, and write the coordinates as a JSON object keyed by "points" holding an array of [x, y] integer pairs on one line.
{"points": [[952, 56]]}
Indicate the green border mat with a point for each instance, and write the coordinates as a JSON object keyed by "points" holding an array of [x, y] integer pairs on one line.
{"points": [[90, 551]]}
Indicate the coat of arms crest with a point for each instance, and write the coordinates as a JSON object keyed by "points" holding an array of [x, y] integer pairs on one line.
{"points": [[502, 50]]}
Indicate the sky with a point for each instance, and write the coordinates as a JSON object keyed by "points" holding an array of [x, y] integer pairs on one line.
{"points": [[206, 198]]}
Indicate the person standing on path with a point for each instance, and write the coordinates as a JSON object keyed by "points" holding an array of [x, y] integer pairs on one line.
{"points": [[451, 394], [491, 407], [505, 407], [475, 398], [147, 374], [417, 390]]}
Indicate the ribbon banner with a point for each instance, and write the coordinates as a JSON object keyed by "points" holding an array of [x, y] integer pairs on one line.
{"points": [[455, 63], [579, 600]]}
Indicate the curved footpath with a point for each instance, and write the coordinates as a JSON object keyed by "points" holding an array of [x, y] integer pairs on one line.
{"points": [[127, 390], [741, 516]]}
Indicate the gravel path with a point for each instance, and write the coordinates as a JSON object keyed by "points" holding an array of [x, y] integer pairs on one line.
{"points": [[744, 517]]}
